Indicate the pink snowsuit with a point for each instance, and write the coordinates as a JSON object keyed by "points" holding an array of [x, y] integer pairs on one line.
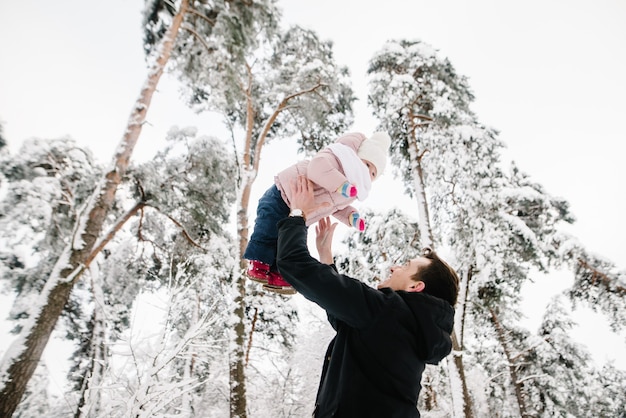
{"points": [[327, 175]]}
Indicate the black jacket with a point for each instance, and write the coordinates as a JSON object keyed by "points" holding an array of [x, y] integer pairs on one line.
{"points": [[373, 366]]}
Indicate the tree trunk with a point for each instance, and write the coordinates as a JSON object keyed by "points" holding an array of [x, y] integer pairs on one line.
{"points": [[237, 362], [249, 167], [187, 404], [24, 354], [427, 239], [457, 357], [517, 385], [426, 232], [429, 392], [458, 345], [238, 404]]}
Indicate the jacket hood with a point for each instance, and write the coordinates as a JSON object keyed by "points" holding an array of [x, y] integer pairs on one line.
{"points": [[435, 319]]}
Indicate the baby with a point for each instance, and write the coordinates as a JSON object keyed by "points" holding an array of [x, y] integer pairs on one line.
{"points": [[341, 173]]}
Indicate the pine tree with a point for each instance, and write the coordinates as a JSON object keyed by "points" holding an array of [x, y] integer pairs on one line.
{"points": [[46, 182], [500, 226], [178, 244], [390, 238], [235, 32], [420, 100], [179, 203], [556, 374], [268, 84]]}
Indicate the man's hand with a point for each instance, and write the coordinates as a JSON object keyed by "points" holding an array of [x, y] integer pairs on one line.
{"points": [[302, 196], [324, 240]]}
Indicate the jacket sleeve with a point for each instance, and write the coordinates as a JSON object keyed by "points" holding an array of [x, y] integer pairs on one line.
{"points": [[343, 215], [343, 298], [352, 140], [324, 171]]}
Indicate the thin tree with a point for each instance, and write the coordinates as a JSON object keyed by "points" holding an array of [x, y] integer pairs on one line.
{"points": [[418, 98], [270, 85]]}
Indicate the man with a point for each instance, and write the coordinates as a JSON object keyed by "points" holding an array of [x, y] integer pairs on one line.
{"points": [[385, 336]]}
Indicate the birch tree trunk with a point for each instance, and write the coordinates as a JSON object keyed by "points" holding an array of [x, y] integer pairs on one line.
{"points": [[426, 232], [457, 361], [458, 346], [22, 357], [426, 235]]}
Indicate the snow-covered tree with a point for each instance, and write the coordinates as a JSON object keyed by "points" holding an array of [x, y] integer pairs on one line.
{"points": [[174, 211], [177, 244], [390, 238], [561, 374], [499, 226], [47, 181], [235, 34], [598, 283], [553, 374], [20, 361], [420, 100], [35, 402], [268, 84]]}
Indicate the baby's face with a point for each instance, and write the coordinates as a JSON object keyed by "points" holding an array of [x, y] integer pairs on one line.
{"points": [[371, 168]]}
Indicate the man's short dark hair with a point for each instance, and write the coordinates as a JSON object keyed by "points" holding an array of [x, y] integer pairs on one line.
{"points": [[439, 278]]}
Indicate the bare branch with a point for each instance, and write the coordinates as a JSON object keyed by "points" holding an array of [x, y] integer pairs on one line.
{"points": [[252, 329], [197, 36], [270, 121], [598, 277], [184, 231], [202, 16], [99, 246], [531, 377]]}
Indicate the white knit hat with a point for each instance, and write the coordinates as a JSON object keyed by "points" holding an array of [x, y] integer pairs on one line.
{"points": [[374, 149]]}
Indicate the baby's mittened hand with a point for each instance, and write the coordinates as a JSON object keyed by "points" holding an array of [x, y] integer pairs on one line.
{"points": [[347, 190], [356, 221]]}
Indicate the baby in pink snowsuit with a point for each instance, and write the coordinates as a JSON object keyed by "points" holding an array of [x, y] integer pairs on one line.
{"points": [[340, 173]]}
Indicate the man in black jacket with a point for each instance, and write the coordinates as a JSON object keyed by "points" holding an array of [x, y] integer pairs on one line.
{"points": [[385, 336]]}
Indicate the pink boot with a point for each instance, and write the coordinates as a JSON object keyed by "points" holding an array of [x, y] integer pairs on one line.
{"points": [[258, 271], [277, 284]]}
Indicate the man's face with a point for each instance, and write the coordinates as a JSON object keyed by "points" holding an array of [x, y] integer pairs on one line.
{"points": [[400, 277]]}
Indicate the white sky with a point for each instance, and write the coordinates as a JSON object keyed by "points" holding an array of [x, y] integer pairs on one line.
{"points": [[549, 75]]}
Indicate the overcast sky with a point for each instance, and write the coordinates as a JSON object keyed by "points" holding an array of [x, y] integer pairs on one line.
{"points": [[549, 75]]}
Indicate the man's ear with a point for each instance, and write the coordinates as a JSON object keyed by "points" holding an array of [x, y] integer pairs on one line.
{"points": [[416, 286]]}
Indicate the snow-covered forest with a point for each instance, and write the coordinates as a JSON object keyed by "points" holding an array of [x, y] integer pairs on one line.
{"points": [[135, 264]]}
